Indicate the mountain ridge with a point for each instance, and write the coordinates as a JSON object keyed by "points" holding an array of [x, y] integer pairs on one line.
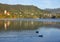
{"points": [[23, 11]]}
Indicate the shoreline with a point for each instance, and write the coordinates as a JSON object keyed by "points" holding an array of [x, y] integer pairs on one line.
{"points": [[30, 19]]}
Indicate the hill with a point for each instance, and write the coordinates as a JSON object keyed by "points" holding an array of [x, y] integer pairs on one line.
{"points": [[20, 11]]}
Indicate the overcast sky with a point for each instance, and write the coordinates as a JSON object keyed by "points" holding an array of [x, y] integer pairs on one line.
{"points": [[39, 3]]}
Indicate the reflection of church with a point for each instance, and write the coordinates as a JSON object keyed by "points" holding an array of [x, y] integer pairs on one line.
{"points": [[6, 24]]}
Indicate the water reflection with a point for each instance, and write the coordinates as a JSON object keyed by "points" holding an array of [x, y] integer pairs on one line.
{"points": [[6, 24], [25, 25], [49, 23], [33, 31]]}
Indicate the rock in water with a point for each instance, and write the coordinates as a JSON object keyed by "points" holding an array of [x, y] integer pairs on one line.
{"points": [[40, 36], [37, 31]]}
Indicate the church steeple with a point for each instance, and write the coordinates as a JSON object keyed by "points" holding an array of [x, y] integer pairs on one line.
{"points": [[5, 11]]}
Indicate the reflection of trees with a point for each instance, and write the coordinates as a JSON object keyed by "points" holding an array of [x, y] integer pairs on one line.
{"points": [[49, 23], [30, 25], [1, 25], [24, 25], [52, 24]]}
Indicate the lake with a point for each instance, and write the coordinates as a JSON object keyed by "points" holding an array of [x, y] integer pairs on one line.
{"points": [[29, 30]]}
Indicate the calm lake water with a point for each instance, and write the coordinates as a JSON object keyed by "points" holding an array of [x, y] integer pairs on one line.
{"points": [[24, 30]]}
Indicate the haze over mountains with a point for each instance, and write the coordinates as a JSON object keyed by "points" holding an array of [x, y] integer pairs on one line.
{"points": [[56, 10]]}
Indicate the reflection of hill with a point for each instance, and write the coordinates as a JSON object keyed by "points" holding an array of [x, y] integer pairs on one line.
{"points": [[25, 25], [19, 25], [1, 25], [52, 24]]}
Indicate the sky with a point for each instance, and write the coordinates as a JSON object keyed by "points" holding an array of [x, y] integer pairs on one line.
{"points": [[39, 3]]}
